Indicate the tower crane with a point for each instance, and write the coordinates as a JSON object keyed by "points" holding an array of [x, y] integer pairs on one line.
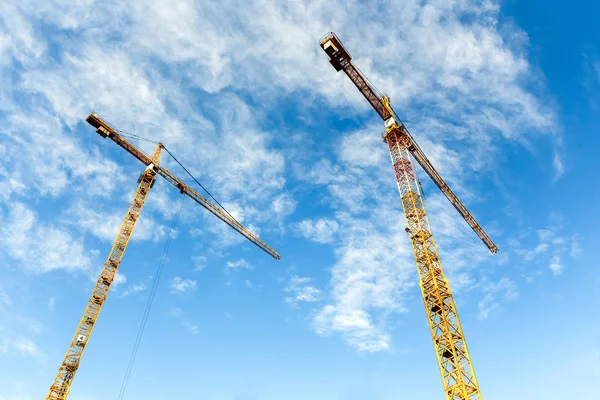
{"points": [[62, 383], [449, 342]]}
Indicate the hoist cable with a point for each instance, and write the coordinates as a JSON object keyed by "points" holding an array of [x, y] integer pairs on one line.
{"points": [[142, 327], [134, 136], [196, 180]]}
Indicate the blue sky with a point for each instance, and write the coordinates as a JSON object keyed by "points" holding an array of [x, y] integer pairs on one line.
{"points": [[503, 97]]}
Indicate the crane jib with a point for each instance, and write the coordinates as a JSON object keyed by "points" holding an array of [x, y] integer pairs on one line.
{"points": [[340, 59], [106, 130]]}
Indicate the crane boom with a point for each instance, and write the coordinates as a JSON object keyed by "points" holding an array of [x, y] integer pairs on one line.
{"points": [[454, 361], [106, 130], [341, 60]]}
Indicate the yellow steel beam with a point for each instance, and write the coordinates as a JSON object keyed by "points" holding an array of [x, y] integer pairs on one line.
{"points": [[62, 383], [449, 341], [450, 346]]}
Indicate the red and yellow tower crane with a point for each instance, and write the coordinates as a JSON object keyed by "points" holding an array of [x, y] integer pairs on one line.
{"points": [[62, 383], [449, 342]]}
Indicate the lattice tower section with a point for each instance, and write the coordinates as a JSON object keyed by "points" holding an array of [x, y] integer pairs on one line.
{"points": [[62, 383], [453, 357]]}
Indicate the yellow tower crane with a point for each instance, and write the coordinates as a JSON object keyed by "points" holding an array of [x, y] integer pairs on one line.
{"points": [[62, 383], [449, 342]]}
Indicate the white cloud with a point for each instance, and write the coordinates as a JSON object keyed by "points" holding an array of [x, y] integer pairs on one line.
{"points": [[283, 206], [356, 325], [558, 166], [35, 144], [179, 285], [38, 246], [369, 280], [464, 65], [375, 267], [296, 280], [237, 265], [106, 224], [363, 148], [539, 249], [18, 345], [251, 285], [300, 291], [199, 262], [51, 303], [138, 287], [375, 270], [25, 346], [10, 185], [322, 230], [19, 33], [235, 161], [504, 289], [556, 265], [486, 306], [117, 84], [553, 248], [175, 312], [308, 293], [5, 299], [575, 250], [118, 280], [189, 326], [322, 172]]}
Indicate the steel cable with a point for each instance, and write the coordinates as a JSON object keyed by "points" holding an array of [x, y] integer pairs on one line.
{"points": [[149, 302]]}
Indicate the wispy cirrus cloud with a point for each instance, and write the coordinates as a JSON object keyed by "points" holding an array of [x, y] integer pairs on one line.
{"points": [[105, 224], [205, 78], [504, 289], [178, 314], [552, 247], [38, 246], [19, 345], [322, 230]]}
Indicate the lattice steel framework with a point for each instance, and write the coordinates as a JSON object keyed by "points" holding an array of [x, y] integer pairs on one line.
{"points": [[449, 342], [451, 349], [62, 383]]}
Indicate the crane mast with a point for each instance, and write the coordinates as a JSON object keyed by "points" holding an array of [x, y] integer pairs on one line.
{"points": [[62, 383], [454, 361], [66, 372], [453, 357]]}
